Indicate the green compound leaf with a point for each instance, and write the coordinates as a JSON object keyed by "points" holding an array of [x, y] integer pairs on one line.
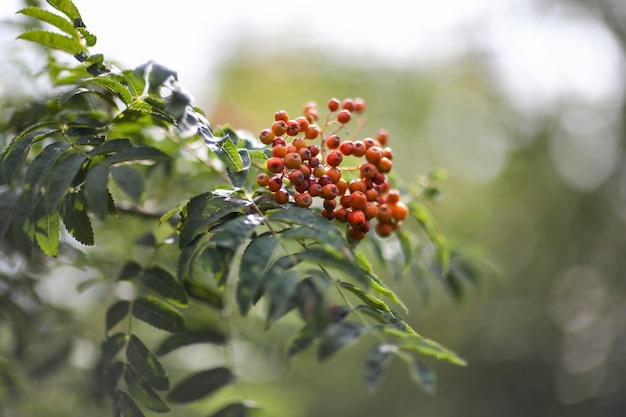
{"points": [[51, 18], [111, 146], [130, 181], [159, 314], [338, 335], [76, 219], [116, 313], [314, 227], [368, 299], [204, 293], [47, 230], [180, 340], [140, 391], [254, 262], [382, 289], [424, 376], [126, 405], [53, 40], [301, 340], [7, 203], [112, 376], [280, 289], [96, 191], [200, 385], [418, 344], [60, 179], [146, 364], [164, 283], [15, 154], [377, 360], [130, 270]]}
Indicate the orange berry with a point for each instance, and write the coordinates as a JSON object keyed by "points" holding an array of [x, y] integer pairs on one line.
{"points": [[359, 149], [374, 154], [384, 213], [279, 127], [276, 183], [275, 165], [382, 136], [357, 185], [371, 194], [293, 128], [281, 115], [303, 199], [342, 185], [359, 105], [329, 191], [356, 218], [356, 234], [263, 180], [266, 136], [293, 160], [279, 151], [315, 189], [312, 132], [358, 200], [335, 174], [384, 229], [299, 143], [281, 196], [385, 164], [370, 210], [367, 170], [393, 197], [399, 211], [329, 204], [347, 147], [296, 177], [341, 214], [333, 142], [303, 123]]}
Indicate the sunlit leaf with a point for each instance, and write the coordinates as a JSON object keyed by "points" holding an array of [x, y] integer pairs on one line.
{"points": [[158, 314], [53, 40], [47, 230], [141, 391], [114, 86], [200, 385], [338, 335], [165, 285], [368, 299], [66, 7], [51, 18], [146, 364], [178, 340]]}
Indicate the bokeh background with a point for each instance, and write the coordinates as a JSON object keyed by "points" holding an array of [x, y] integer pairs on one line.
{"points": [[521, 102]]}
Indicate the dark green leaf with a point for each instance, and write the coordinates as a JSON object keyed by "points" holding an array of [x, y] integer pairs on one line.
{"points": [[234, 410], [139, 390], [189, 257], [15, 154], [205, 293], [130, 181], [51, 18], [53, 40], [60, 179], [422, 374], [338, 335], [218, 260], [112, 345], [146, 364], [179, 340], [200, 385], [375, 363], [76, 220], [47, 230], [137, 154], [96, 191], [301, 340], [127, 406], [130, 270], [280, 289], [315, 227], [204, 211], [7, 203], [232, 233], [254, 263], [23, 224], [147, 239], [112, 376], [158, 314], [116, 313], [111, 146], [238, 178], [38, 170], [165, 285]]}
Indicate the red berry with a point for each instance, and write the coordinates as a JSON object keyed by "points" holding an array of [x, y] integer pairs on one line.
{"points": [[344, 116], [341, 214], [334, 158], [359, 105], [348, 104], [303, 187], [356, 218], [293, 128], [334, 173], [370, 210], [325, 180], [303, 199], [382, 136], [384, 213], [356, 234], [303, 122], [333, 142], [312, 132], [293, 160], [296, 177], [359, 149], [329, 192], [358, 200], [384, 229], [315, 188], [315, 150], [281, 196], [333, 104], [367, 171], [347, 147], [276, 183]]}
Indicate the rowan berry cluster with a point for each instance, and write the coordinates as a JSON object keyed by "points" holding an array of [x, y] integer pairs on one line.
{"points": [[349, 176]]}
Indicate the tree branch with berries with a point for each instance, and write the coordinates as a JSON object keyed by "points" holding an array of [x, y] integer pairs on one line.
{"points": [[288, 243]]}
